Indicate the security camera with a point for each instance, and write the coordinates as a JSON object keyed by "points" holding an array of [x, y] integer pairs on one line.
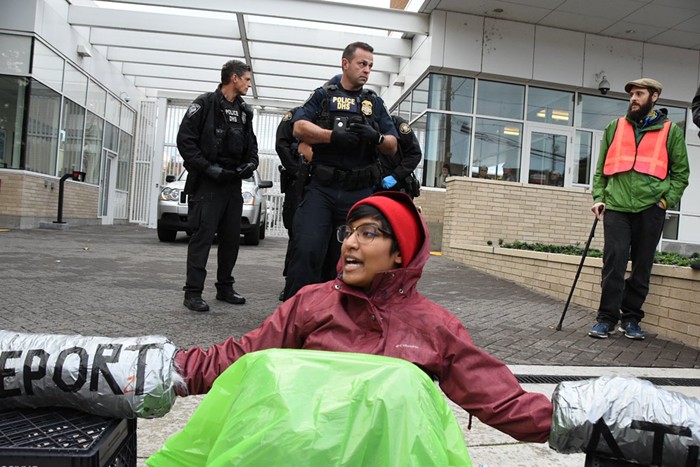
{"points": [[127, 99], [603, 89]]}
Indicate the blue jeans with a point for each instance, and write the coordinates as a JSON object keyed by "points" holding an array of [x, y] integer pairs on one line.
{"points": [[628, 236]]}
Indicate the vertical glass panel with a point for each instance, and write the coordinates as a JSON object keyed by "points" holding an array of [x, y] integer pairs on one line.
{"points": [[13, 92], [114, 107], [15, 53], [500, 99], [126, 120], [97, 97], [448, 146], [676, 114], [550, 106], [124, 162], [75, 84], [47, 66], [42, 129], [497, 150], [547, 158], [111, 140], [452, 93], [583, 158], [71, 140], [670, 231], [419, 98], [595, 112], [94, 127]]}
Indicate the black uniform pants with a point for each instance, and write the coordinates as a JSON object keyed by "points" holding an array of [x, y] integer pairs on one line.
{"points": [[214, 209], [628, 236], [321, 211]]}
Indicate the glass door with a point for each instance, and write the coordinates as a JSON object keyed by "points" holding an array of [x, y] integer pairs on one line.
{"points": [[109, 183], [548, 155]]}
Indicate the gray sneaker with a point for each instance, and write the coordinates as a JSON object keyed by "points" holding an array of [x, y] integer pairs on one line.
{"points": [[632, 330], [601, 330]]}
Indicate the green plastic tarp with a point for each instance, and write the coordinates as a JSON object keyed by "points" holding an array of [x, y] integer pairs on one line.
{"points": [[311, 408]]}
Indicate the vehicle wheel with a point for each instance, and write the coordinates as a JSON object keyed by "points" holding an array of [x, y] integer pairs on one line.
{"points": [[263, 226], [166, 235], [253, 237]]}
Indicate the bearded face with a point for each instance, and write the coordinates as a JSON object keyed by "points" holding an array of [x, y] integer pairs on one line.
{"points": [[641, 103]]}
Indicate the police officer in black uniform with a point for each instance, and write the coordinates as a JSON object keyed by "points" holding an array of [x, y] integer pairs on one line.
{"points": [[397, 171], [217, 142], [294, 174], [345, 125]]}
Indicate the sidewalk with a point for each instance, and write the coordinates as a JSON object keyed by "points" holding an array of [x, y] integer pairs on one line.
{"points": [[121, 281]]}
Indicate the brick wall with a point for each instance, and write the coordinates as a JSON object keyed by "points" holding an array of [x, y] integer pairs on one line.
{"points": [[671, 309], [27, 199], [431, 203], [477, 210]]}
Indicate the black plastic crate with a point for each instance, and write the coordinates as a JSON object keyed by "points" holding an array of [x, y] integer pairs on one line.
{"points": [[57, 437]]}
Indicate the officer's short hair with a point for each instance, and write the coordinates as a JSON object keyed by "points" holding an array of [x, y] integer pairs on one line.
{"points": [[349, 51], [233, 67]]}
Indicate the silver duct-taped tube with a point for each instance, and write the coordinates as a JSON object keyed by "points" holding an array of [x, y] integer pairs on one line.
{"points": [[114, 377], [626, 418]]}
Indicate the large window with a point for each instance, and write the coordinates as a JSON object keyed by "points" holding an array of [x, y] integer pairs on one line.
{"points": [[71, 142], [11, 114], [94, 126], [595, 112], [449, 137], [500, 100], [550, 106], [451, 93], [497, 148], [47, 66], [42, 129]]}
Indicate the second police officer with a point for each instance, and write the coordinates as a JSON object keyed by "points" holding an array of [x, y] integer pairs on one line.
{"points": [[217, 143], [345, 125]]}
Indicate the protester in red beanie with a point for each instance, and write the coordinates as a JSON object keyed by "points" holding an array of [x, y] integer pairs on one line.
{"points": [[373, 307]]}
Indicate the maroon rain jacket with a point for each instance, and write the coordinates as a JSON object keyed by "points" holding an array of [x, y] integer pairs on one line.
{"points": [[395, 320]]}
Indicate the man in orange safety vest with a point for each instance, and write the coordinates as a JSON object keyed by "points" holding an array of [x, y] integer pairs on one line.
{"points": [[642, 171]]}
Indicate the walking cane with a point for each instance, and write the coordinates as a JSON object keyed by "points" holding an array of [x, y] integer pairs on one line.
{"points": [[580, 266]]}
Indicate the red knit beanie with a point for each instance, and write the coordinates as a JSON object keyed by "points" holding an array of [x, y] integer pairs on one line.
{"points": [[403, 217]]}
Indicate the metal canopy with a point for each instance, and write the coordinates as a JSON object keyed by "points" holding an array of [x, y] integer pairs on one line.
{"points": [[177, 47]]}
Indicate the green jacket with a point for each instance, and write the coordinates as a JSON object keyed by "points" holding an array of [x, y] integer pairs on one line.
{"points": [[633, 191]]}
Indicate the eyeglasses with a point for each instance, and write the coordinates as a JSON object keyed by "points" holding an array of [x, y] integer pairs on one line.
{"points": [[365, 233]]}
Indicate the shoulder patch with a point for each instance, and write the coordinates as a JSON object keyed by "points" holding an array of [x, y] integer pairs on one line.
{"points": [[287, 116], [404, 128], [193, 109]]}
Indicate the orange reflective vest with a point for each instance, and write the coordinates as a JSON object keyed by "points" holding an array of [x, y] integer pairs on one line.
{"points": [[649, 157]]}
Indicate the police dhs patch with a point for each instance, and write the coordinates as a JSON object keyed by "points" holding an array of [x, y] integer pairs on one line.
{"points": [[287, 117], [193, 109], [366, 107], [404, 128]]}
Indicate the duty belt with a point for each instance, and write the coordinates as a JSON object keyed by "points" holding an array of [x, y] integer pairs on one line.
{"points": [[350, 180]]}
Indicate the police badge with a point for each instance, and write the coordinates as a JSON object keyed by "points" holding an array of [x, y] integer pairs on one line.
{"points": [[366, 108], [193, 109], [404, 128], [287, 117]]}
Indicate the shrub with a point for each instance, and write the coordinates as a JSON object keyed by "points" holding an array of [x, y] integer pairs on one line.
{"points": [[662, 257]]}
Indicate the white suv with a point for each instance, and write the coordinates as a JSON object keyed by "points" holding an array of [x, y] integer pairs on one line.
{"points": [[172, 209]]}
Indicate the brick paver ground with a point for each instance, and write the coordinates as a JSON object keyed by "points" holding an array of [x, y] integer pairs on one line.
{"points": [[121, 281]]}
